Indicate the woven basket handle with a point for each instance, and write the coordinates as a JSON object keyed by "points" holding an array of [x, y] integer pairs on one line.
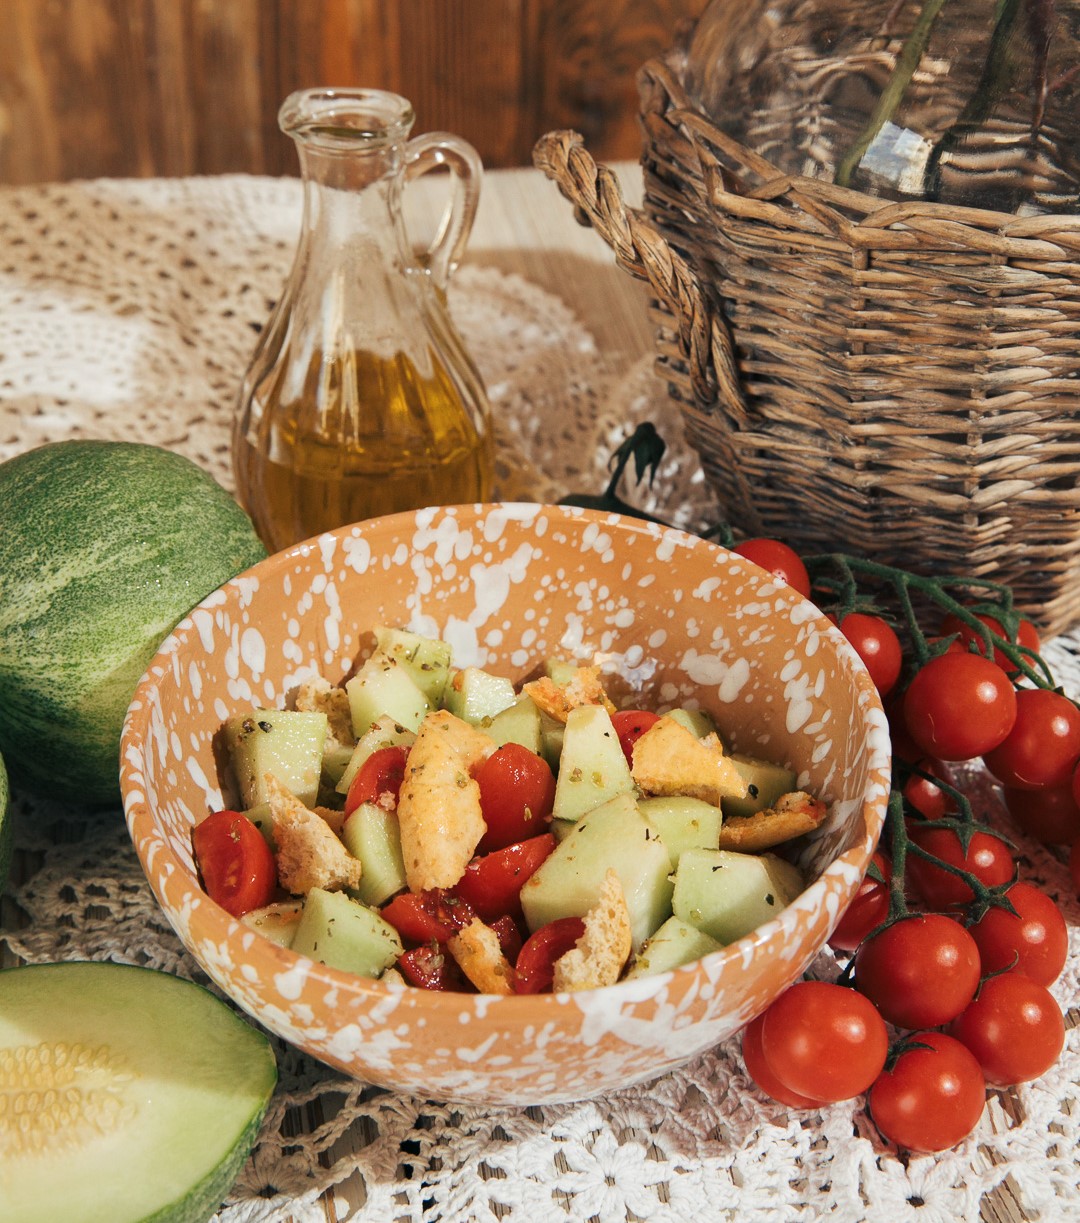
{"points": [[643, 251]]}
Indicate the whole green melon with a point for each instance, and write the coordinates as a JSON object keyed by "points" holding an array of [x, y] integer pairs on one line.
{"points": [[104, 547]]}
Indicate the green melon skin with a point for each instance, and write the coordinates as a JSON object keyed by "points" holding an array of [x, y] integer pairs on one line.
{"points": [[7, 828], [104, 547], [163, 1089]]}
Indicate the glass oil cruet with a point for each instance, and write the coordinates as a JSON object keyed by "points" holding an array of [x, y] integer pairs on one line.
{"points": [[361, 399]]}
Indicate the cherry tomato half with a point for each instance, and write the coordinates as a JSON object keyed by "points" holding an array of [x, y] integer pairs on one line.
{"points": [[1043, 747], [492, 883], [1033, 941], [630, 725], [780, 560], [932, 1097], [920, 972], [517, 793], [378, 780], [877, 645], [1014, 1028], [987, 857], [430, 967], [431, 916], [868, 909], [758, 1069], [824, 1041], [236, 864], [959, 706], [535, 967]]}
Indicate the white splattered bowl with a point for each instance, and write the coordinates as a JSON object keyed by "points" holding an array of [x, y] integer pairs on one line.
{"points": [[667, 614]]}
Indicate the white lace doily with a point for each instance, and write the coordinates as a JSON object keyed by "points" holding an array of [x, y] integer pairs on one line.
{"points": [[128, 310]]}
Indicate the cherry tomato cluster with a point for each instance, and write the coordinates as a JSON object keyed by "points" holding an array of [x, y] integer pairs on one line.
{"points": [[943, 942]]}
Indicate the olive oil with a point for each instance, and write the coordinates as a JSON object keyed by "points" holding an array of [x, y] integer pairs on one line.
{"points": [[366, 436]]}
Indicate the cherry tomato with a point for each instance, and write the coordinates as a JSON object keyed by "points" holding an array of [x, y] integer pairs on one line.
{"points": [[920, 972], [378, 780], [777, 558], [509, 936], [429, 967], [987, 857], [758, 1069], [904, 746], [1043, 746], [1034, 941], [491, 884], [1013, 1027], [877, 645], [1075, 783], [959, 706], [1074, 864], [1051, 815], [823, 1041], [931, 1098], [928, 798], [1026, 635], [535, 967], [236, 864], [868, 909], [630, 725], [432, 916], [517, 793]]}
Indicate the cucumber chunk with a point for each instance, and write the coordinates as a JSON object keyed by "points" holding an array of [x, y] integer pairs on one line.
{"points": [[518, 724], [674, 944], [145, 1098], [727, 894], [683, 823], [373, 836], [475, 695], [765, 783], [345, 934], [592, 766], [384, 686], [384, 732], [285, 742], [426, 659]]}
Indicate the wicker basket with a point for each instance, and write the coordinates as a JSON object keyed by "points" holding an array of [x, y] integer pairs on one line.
{"points": [[896, 380]]}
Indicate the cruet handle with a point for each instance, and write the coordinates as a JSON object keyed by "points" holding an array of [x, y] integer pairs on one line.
{"points": [[432, 151]]}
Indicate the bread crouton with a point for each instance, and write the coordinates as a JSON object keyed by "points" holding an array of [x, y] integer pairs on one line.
{"points": [[309, 854], [791, 815], [556, 700], [439, 815], [479, 955], [669, 759], [317, 695], [600, 954]]}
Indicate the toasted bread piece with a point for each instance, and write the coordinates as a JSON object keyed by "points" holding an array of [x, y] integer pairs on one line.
{"points": [[790, 816], [600, 954], [317, 695], [309, 854], [439, 805], [583, 688], [669, 759], [479, 955]]}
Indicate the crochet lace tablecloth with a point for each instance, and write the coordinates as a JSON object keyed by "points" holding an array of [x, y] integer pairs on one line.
{"points": [[129, 310]]}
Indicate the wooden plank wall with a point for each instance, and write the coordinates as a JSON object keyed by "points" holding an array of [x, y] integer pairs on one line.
{"points": [[172, 87]]}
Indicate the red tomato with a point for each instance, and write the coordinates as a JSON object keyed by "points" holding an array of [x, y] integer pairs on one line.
{"points": [[235, 862], [758, 1069], [432, 916], [877, 645], [823, 1041], [903, 745], [1051, 815], [378, 780], [630, 725], [932, 1098], [491, 885], [509, 936], [987, 857], [1044, 744], [868, 909], [959, 706], [1074, 865], [535, 966], [517, 793], [1034, 941], [429, 967], [928, 798], [1076, 784], [1013, 1027], [920, 972], [1027, 635], [777, 558]]}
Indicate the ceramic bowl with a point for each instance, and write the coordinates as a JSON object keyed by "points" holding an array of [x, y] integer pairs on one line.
{"points": [[670, 616]]}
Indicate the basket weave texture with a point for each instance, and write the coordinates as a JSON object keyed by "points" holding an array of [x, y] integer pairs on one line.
{"points": [[897, 380]]}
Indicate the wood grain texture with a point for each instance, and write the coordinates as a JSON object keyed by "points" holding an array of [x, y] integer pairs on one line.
{"points": [[136, 88]]}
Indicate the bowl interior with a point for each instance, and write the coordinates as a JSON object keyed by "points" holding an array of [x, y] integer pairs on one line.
{"points": [[672, 619]]}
